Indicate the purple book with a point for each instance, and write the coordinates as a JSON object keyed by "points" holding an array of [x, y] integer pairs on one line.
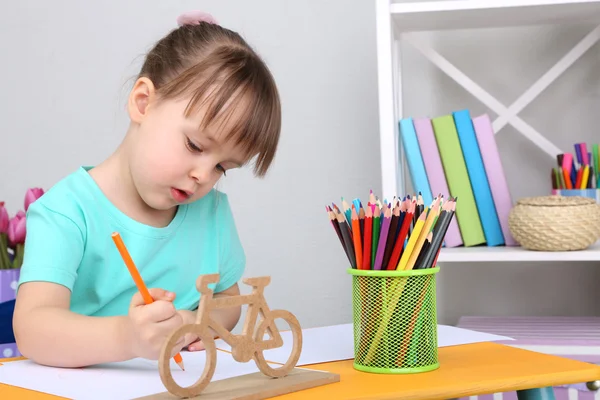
{"points": [[435, 173]]}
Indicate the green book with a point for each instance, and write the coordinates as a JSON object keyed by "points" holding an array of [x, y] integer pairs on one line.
{"points": [[458, 181]]}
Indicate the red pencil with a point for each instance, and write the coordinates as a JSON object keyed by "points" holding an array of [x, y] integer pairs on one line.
{"points": [[579, 176]]}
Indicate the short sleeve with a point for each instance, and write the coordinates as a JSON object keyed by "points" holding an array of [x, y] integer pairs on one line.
{"points": [[232, 259], [53, 247]]}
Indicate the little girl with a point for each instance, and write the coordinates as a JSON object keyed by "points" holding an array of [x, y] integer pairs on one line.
{"points": [[204, 102]]}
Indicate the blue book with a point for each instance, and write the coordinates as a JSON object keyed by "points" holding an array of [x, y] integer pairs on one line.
{"points": [[478, 177], [416, 167]]}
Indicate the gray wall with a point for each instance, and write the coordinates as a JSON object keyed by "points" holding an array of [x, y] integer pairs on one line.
{"points": [[66, 71]]}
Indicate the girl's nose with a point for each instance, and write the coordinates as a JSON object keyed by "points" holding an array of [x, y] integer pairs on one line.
{"points": [[201, 174]]}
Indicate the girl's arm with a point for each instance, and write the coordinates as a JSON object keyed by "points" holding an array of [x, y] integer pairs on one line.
{"points": [[47, 332]]}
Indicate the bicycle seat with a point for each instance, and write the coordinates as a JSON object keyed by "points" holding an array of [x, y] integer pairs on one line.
{"points": [[259, 281]]}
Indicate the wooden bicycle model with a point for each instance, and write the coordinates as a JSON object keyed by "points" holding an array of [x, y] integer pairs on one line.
{"points": [[248, 345]]}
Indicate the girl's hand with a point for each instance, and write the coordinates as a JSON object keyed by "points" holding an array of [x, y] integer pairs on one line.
{"points": [[151, 324], [191, 341], [197, 345]]}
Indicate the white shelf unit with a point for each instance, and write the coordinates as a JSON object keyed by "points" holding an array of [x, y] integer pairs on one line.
{"points": [[397, 22]]}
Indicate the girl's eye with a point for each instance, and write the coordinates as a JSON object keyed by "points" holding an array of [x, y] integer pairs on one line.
{"points": [[191, 146], [221, 169]]}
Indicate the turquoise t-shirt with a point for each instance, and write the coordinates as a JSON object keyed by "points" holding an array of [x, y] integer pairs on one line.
{"points": [[69, 242]]}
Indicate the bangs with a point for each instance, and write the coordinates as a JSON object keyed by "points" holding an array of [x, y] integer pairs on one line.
{"points": [[238, 96]]}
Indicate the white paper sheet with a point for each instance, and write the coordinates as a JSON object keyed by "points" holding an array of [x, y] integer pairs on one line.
{"points": [[123, 380], [139, 377], [334, 343]]}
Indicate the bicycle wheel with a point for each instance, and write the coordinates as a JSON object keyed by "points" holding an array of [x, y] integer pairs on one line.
{"points": [[278, 371], [164, 365]]}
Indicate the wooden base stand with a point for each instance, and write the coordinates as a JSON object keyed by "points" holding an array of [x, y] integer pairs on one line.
{"points": [[257, 386]]}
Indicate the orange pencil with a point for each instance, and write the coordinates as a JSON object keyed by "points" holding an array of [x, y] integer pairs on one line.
{"points": [[567, 178], [356, 237], [138, 280]]}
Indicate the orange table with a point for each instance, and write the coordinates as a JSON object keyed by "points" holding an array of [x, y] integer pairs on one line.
{"points": [[465, 370]]}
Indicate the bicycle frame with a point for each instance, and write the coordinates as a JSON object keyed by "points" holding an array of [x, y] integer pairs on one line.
{"points": [[248, 345], [257, 305]]}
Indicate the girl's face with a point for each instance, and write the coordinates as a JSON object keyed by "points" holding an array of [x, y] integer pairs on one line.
{"points": [[173, 161]]}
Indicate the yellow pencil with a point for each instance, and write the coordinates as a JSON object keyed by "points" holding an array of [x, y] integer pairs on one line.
{"points": [[435, 210], [412, 241], [584, 177]]}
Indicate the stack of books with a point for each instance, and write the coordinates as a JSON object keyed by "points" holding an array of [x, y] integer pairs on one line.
{"points": [[458, 154]]}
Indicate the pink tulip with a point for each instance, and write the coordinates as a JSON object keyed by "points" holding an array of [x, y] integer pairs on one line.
{"points": [[16, 229], [3, 218], [32, 195]]}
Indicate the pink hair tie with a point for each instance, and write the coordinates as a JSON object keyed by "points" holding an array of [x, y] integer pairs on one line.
{"points": [[195, 17]]}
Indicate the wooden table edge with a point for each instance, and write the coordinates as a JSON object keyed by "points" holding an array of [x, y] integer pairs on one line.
{"points": [[591, 372]]}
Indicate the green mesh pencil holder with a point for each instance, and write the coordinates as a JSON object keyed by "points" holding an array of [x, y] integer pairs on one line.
{"points": [[395, 320]]}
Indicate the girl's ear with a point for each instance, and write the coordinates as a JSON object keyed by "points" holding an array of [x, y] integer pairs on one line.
{"points": [[140, 97]]}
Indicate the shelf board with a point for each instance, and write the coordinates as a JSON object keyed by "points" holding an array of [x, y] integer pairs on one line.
{"points": [[505, 253], [470, 14]]}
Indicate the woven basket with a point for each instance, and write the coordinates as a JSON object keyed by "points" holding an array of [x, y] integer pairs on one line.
{"points": [[555, 223]]}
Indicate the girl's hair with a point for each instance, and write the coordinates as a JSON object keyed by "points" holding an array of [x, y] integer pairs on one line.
{"points": [[217, 68]]}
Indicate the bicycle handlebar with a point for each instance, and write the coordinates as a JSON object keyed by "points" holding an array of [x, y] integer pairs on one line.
{"points": [[204, 280]]}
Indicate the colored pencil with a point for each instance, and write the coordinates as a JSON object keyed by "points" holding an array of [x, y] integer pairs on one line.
{"points": [[561, 178], [578, 181], [385, 225], [356, 238], [439, 248], [412, 241], [585, 176], [567, 178], [366, 264], [431, 215], [336, 227], [596, 156], [419, 264], [439, 232], [391, 237], [347, 212], [361, 220], [584, 154], [375, 234], [346, 234], [578, 153], [139, 282], [399, 245]]}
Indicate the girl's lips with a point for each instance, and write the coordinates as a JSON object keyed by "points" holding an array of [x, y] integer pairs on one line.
{"points": [[180, 195]]}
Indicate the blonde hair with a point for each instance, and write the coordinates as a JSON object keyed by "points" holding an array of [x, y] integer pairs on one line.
{"points": [[219, 70]]}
